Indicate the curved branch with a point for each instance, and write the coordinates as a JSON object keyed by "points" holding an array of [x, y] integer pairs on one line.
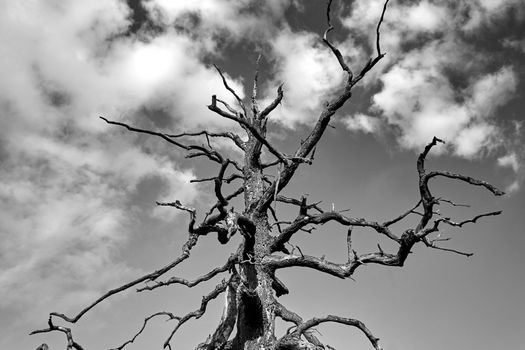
{"points": [[71, 343], [322, 218], [206, 277], [213, 107], [219, 289], [239, 100], [229, 316], [301, 329], [273, 104], [210, 154], [186, 248], [402, 216], [229, 135], [290, 316], [466, 179], [334, 49], [146, 320]]}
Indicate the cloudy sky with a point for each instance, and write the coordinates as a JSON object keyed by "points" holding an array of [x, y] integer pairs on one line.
{"points": [[77, 214]]}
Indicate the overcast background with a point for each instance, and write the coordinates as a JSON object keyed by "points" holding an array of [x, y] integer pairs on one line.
{"points": [[77, 214]]}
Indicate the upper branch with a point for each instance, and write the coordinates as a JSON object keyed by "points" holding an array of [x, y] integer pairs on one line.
{"points": [[427, 199], [229, 135], [322, 218], [309, 144], [202, 151], [334, 49], [239, 100], [251, 128]]}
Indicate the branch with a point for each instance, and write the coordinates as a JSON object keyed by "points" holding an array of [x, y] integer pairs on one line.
{"points": [[239, 100], [372, 62], [255, 107], [213, 107], [290, 316], [297, 202], [427, 199], [334, 49], [228, 198], [302, 221], [473, 220], [273, 104], [347, 321], [229, 135], [466, 179], [206, 277], [186, 248], [402, 216], [177, 204], [432, 245], [146, 320], [227, 180], [219, 289], [318, 130], [227, 322], [71, 344], [202, 151]]}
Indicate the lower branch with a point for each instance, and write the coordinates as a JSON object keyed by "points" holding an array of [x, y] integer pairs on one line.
{"points": [[186, 248], [301, 329], [71, 344], [146, 320], [219, 289]]}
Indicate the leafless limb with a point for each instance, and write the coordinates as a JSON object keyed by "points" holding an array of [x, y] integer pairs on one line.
{"points": [[431, 244], [220, 337], [213, 107], [290, 316], [402, 216], [228, 179], [255, 107], [309, 144], [219, 289], [71, 343], [228, 198], [301, 329], [427, 199], [199, 150], [269, 109], [239, 100], [334, 49], [186, 248], [146, 320], [452, 203], [297, 202], [206, 277], [228, 135], [322, 218], [473, 220]]}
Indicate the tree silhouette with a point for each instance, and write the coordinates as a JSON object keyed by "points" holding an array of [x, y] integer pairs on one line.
{"points": [[251, 287]]}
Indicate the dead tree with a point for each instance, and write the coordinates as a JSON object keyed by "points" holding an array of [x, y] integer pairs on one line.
{"points": [[251, 287]]}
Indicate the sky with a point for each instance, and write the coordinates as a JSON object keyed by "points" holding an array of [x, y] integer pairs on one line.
{"points": [[77, 196]]}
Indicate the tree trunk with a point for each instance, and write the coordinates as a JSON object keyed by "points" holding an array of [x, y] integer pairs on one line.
{"points": [[255, 314]]}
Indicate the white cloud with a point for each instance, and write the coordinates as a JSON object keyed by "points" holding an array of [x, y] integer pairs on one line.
{"points": [[510, 160], [361, 122]]}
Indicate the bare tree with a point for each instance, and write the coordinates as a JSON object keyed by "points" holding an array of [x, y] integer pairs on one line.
{"points": [[251, 287]]}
